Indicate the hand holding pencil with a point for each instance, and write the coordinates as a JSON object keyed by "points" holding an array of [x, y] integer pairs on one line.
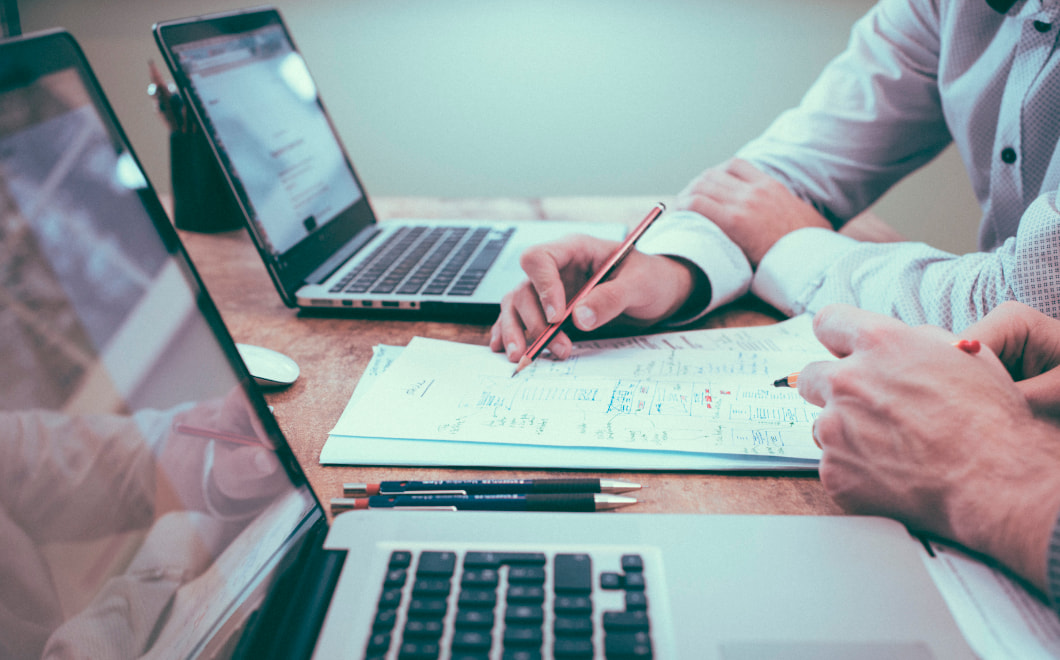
{"points": [[645, 289]]}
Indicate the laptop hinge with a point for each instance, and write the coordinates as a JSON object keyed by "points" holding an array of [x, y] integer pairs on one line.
{"points": [[289, 621], [341, 256]]}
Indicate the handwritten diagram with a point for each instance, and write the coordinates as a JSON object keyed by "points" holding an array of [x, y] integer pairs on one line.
{"points": [[669, 394]]}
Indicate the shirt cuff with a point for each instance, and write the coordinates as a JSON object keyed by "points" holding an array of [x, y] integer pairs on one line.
{"points": [[793, 269], [690, 236], [1053, 568]]}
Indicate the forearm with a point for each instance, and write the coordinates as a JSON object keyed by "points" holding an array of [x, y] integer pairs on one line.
{"points": [[910, 281], [1017, 524], [847, 142], [47, 457]]}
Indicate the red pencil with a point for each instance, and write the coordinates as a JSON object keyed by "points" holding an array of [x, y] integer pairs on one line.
{"points": [[609, 266], [210, 434]]}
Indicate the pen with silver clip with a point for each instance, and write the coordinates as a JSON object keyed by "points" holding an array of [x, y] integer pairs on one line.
{"points": [[491, 502], [487, 486]]}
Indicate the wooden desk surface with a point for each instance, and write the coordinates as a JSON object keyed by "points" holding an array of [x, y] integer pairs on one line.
{"points": [[333, 352]]}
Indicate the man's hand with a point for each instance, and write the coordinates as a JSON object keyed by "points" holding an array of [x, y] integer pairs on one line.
{"points": [[218, 476], [915, 429], [752, 208], [644, 289], [1028, 343]]}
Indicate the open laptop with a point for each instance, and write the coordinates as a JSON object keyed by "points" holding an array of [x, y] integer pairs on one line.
{"points": [[307, 210], [151, 508]]}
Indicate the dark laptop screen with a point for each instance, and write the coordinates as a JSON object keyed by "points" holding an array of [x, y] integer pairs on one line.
{"points": [[145, 492]]}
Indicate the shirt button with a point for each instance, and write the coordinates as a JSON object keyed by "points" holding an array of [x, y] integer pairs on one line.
{"points": [[1042, 26], [1008, 155]]}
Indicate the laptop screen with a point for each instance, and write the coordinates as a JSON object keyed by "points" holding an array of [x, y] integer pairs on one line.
{"points": [[259, 105], [287, 159], [145, 491]]}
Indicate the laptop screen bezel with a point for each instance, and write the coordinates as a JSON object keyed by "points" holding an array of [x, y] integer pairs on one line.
{"points": [[29, 58], [290, 269]]}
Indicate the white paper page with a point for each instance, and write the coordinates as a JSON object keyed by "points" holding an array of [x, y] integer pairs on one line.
{"points": [[998, 616], [351, 450], [668, 396]]}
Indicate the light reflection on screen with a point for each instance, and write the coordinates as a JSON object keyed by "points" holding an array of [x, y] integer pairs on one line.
{"points": [[140, 495]]}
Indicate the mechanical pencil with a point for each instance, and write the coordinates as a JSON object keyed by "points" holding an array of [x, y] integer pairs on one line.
{"points": [[489, 502], [487, 486]]}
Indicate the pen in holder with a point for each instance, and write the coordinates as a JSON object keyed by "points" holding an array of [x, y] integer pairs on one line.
{"points": [[202, 200]]}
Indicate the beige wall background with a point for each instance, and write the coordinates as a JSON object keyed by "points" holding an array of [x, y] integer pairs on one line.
{"points": [[459, 98]]}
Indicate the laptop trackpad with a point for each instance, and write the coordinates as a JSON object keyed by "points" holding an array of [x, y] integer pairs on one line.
{"points": [[825, 651]]}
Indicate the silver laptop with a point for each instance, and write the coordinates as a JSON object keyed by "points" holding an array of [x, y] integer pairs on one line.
{"points": [[303, 202], [150, 506]]}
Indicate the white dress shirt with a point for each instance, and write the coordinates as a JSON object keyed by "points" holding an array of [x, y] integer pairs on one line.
{"points": [[916, 75]]}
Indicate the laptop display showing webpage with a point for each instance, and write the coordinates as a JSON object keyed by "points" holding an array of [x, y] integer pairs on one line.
{"points": [[305, 206], [150, 507]]}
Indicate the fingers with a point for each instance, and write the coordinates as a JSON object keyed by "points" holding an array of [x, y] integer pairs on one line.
{"points": [[1043, 394], [815, 382], [841, 327], [644, 289], [1026, 341], [521, 319], [556, 270], [741, 170]]}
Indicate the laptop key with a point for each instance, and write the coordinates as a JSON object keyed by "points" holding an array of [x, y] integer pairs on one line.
{"points": [[472, 640], [573, 626], [573, 605], [573, 573], [526, 574], [479, 578], [634, 581], [431, 587], [524, 614], [627, 646], [379, 643], [436, 564], [474, 618], [569, 647], [390, 599], [427, 607], [419, 651], [631, 563], [626, 621], [400, 559], [423, 628], [611, 581], [523, 636], [477, 598], [525, 594], [384, 619], [636, 600]]}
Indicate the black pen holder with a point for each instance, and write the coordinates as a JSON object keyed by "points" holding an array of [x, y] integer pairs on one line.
{"points": [[202, 199]]}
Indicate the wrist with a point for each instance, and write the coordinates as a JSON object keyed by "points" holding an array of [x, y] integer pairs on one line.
{"points": [[695, 291], [1010, 509]]}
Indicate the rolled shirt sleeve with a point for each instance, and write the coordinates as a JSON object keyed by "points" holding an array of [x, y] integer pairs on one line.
{"points": [[914, 282], [690, 236]]}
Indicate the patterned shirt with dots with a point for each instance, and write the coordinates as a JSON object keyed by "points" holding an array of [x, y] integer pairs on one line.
{"points": [[916, 76]]}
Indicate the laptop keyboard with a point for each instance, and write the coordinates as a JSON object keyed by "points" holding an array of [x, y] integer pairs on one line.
{"points": [[422, 260], [510, 605]]}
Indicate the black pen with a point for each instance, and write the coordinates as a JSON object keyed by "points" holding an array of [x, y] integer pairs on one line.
{"points": [[488, 486], [493, 502]]}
